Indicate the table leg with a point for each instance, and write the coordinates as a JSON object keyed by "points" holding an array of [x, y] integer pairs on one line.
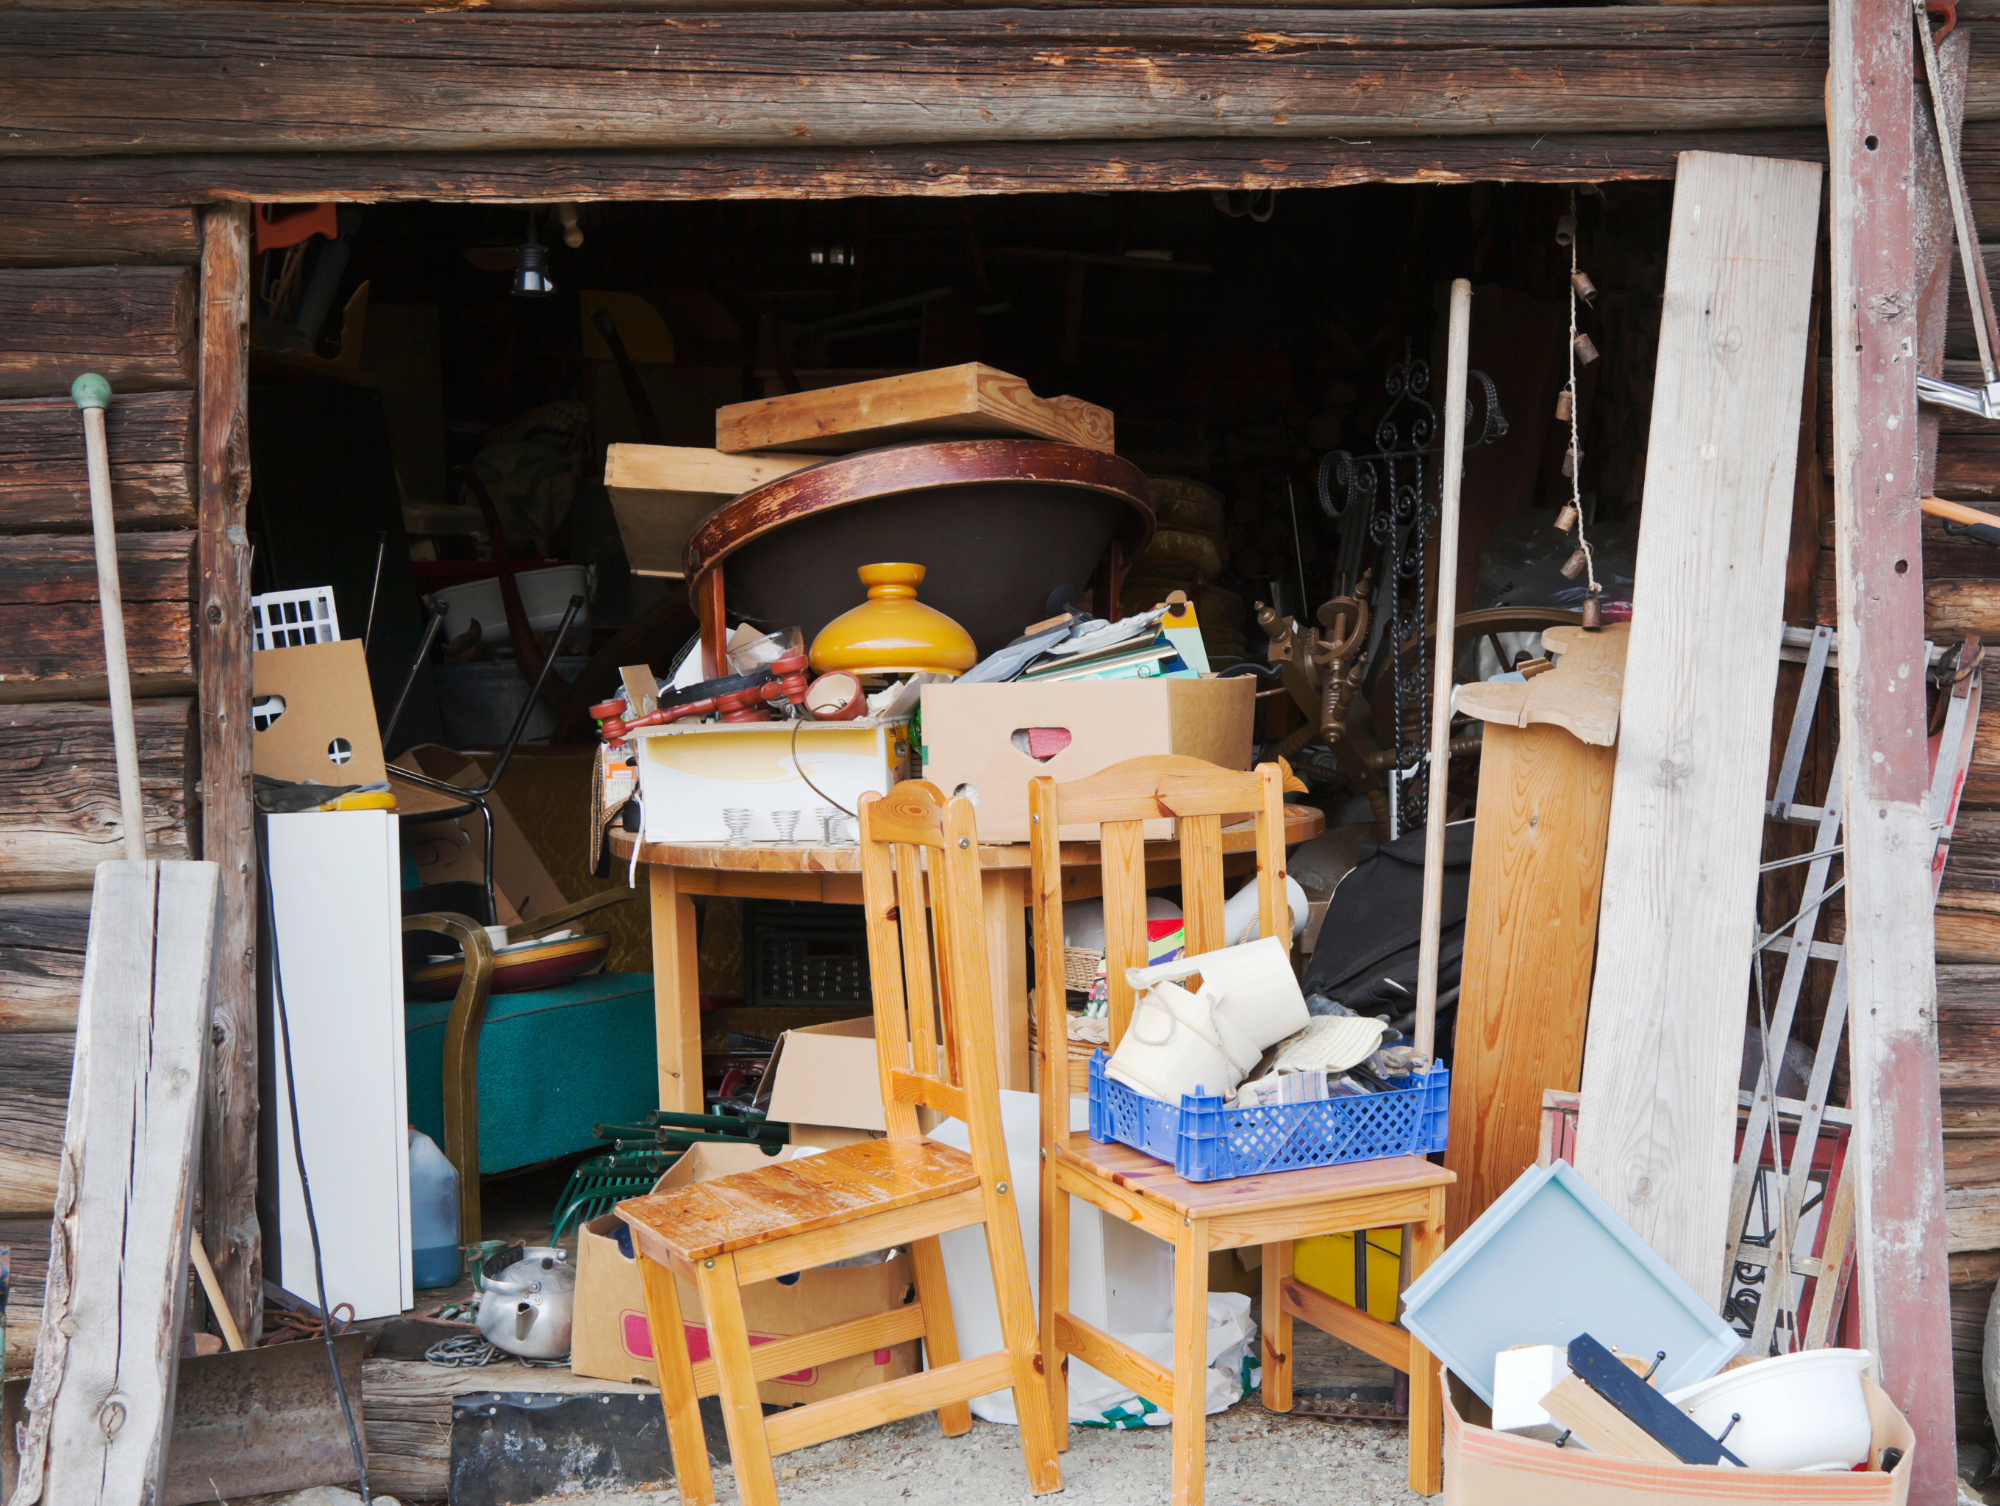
{"points": [[1004, 892], [676, 994]]}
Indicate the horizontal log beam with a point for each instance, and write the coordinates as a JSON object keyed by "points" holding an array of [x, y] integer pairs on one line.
{"points": [[43, 488], [228, 79], [78, 235], [134, 326], [34, 1095], [950, 170], [27, 1239], [42, 939], [51, 629], [59, 789]]}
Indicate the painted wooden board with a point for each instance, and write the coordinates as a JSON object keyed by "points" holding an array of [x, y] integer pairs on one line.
{"points": [[952, 402], [1656, 1137], [1581, 695], [100, 1406], [1530, 936]]}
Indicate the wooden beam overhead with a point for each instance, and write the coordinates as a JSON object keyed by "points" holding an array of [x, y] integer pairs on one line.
{"points": [[212, 78]]}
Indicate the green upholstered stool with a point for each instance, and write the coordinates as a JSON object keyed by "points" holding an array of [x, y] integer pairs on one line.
{"points": [[552, 1062]]}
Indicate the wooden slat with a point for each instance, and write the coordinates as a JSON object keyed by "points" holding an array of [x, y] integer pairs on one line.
{"points": [[79, 235], [801, 1352], [1686, 823], [1369, 1334], [134, 326], [214, 80], [1530, 938], [59, 790], [230, 1230], [119, 1267], [678, 468], [41, 959], [42, 484], [27, 1239], [1900, 1275], [857, 1236], [806, 171], [1126, 1365], [925, 1391], [1601, 1426], [950, 402], [34, 1088], [51, 629], [1972, 1218]]}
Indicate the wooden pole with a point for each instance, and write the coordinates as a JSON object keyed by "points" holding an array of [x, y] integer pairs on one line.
{"points": [[1898, 1151], [93, 395], [1447, 621]]}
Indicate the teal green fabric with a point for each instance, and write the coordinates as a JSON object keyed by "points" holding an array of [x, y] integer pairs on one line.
{"points": [[552, 1063]]}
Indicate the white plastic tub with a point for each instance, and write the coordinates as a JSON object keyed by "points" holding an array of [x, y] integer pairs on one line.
{"points": [[545, 597], [1804, 1411]]}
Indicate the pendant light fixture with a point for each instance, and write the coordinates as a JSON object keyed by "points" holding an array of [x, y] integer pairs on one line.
{"points": [[531, 266]]}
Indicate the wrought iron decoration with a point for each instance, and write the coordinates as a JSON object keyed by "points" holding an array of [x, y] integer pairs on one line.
{"points": [[1389, 498]]}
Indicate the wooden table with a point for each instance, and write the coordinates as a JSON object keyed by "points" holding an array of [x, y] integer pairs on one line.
{"points": [[832, 876]]}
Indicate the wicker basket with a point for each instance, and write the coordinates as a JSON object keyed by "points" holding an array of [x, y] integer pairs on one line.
{"points": [[1080, 966]]}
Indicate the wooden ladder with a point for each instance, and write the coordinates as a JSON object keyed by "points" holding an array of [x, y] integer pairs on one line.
{"points": [[1772, 1120]]}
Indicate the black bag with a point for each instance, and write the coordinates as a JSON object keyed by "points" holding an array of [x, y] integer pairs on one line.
{"points": [[1366, 959]]}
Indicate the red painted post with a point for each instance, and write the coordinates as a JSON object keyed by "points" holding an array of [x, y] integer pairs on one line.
{"points": [[1902, 1277]]}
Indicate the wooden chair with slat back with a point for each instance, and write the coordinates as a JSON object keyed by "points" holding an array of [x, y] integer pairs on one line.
{"points": [[1196, 1218], [934, 1049]]}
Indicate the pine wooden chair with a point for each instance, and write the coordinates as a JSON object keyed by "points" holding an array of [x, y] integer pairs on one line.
{"points": [[728, 1233], [1199, 1217]]}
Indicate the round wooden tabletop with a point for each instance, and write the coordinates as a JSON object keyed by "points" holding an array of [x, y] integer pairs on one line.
{"points": [[1302, 822]]}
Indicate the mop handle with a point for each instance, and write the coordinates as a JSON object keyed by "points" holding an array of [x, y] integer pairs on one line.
{"points": [[93, 395]]}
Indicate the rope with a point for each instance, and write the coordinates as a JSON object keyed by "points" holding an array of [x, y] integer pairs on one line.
{"points": [[1576, 416]]}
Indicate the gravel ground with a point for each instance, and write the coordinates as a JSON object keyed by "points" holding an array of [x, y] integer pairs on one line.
{"points": [[1254, 1456]]}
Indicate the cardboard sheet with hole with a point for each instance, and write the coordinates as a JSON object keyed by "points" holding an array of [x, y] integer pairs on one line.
{"points": [[313, 715]]}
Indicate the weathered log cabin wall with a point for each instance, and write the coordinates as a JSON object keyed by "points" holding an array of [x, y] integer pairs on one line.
{"points": [[113, 292]]}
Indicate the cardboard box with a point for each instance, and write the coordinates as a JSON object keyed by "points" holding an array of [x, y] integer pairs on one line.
{"points": [[823, 1081], [318, 715], [451, 851], [978, 737], [612, 1340], [690, 772], [1485, 1468]]}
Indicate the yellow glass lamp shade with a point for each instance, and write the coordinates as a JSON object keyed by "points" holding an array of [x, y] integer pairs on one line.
{"points": [[892, 633]]}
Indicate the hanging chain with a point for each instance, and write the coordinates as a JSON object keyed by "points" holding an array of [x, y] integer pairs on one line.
{"points": [[1576, 412]]}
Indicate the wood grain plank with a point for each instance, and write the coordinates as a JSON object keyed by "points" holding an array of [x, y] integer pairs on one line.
{"points": [[1530, 938], [1686, 821], [1900, 1276], [211, 80], [27, 1239], [797, 170], [51, 628], [230, 1229], [79, 235], [949, 402], [125, 1201], [59, 791], [34, 1091], [41, 959], [134, 326], [43, 488]]}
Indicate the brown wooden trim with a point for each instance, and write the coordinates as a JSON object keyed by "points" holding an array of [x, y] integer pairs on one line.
{"points": [[222, 598], [213, 78], [43, 488], [68, 234], [881, 473]]}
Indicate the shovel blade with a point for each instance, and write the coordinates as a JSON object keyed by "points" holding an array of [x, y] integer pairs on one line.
{"points": [[262, 1420]]}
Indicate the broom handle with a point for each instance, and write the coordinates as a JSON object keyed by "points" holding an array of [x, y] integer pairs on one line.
{"points": [[1447, 621], [93, 394]]}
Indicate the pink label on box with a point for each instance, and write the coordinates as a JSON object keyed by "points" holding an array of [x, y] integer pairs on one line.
{"points": [[639, 1344]]}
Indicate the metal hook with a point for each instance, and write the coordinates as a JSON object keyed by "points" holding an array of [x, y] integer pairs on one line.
{"points": [[1658, 1360], [1734, 1418], [1564, 1439]]}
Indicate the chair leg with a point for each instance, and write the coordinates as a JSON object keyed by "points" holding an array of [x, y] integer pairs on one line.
{"points": [[940, 1337], [1017, 1331], [1426, 1395], [1054, 1256], [677, 1389], [1277, 1336], [742, 1412], [1190, 1361]]}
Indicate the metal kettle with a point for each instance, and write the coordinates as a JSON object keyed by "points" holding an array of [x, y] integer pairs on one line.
{"points": [[530, 1307]]}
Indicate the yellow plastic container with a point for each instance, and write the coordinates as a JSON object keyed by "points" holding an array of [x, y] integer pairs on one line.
{"points": [[1326, 1263]]}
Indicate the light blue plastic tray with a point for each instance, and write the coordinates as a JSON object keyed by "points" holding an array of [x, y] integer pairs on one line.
{"points": [[1548, 1261]]}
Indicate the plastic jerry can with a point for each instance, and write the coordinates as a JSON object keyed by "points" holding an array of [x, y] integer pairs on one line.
{"points": [[434, 1253]]}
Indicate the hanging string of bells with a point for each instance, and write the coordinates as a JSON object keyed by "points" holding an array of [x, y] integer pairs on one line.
{"points": [[1581, 353]]}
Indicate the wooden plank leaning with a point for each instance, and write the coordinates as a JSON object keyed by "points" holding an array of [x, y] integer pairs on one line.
{"points": [[1666, 1017], [100, 1404]]}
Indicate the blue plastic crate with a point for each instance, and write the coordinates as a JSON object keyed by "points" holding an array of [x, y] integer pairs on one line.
{"points": [[1210, 1142]]}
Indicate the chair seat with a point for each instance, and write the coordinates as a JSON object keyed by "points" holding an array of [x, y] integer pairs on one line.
{"points": [[1150, 1177], [795, 1197]]}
